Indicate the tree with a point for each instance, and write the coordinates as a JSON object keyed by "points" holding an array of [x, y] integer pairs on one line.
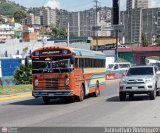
{"points": [[144, 40], [57, 32], [19, 16], [23, 75]]}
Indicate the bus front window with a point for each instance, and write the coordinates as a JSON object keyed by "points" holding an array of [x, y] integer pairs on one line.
{"points": [[58, 66]]}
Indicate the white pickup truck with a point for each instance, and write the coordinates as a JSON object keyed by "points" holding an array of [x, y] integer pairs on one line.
{"points": [[140, 80]]}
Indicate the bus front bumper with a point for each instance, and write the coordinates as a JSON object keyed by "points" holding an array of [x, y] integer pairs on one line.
{"points": [[52, 93]]}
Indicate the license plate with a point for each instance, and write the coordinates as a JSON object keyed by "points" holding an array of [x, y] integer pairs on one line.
{"points": [[134, 87], [51, 94]]}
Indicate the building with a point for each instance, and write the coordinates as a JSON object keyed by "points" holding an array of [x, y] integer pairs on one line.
{"points": [[138, 21], [44, 16], [134, 4], [30, 19], [82, 22], [6, 32], [132, 23], [29, 34]]}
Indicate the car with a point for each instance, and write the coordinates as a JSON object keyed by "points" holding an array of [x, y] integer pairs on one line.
{"points": [[140, 80], [119, 66]]}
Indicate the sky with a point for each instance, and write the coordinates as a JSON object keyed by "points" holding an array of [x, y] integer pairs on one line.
{"points": [[75, 5]]}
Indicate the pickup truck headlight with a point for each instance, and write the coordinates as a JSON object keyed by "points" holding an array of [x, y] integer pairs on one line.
{"points": [[123, 81], [148, 80]]}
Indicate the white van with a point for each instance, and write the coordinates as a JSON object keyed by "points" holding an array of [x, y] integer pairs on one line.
{"points": [[119, 66]]}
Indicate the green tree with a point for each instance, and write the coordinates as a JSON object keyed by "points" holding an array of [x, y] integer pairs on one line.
{"points": [[158, 40], [19, 16], [57, 32], [23, 75], [144, 40]]}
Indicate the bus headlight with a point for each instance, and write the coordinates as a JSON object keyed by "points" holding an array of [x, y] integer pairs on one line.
{"points": [[36, 82], [67, 82]]}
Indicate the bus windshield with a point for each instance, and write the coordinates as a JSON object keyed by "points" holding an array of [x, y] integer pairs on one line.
{"points": [[49, 66]]}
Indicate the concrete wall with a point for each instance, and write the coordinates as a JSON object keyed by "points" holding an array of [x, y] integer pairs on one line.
{"points": [[14, 46]]}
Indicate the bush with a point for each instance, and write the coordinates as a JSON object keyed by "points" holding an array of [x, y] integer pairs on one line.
{"points": [[23, 75]]}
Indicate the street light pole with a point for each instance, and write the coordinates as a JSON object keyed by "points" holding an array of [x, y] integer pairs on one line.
{"points": [[68, 35]]}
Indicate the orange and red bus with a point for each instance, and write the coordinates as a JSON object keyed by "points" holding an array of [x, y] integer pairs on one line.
{"points": [[62, 72]]}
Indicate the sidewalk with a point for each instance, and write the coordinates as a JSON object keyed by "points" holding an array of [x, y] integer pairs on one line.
{"points": [[15, 96]]}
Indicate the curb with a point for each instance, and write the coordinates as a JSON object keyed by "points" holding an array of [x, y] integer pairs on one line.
{"points": [[15, 96]]}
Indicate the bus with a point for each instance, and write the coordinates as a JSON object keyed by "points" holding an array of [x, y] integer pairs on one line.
{"points": [[62, 72]]}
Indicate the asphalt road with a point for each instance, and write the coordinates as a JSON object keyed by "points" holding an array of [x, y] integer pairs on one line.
{"points": [[103, 111]]}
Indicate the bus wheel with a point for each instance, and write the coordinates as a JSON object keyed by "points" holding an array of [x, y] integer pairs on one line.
{"points": [[97, 91], [46, 100], [81, 97]]}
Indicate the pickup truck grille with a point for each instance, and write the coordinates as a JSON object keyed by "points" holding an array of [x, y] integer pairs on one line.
{"points": [[135, 81]]}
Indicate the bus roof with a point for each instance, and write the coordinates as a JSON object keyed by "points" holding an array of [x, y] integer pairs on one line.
{"points": [[76, 51]]}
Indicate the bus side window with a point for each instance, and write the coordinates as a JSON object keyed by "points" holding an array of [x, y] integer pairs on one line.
{"points": [[76, 63], [80, 62]]}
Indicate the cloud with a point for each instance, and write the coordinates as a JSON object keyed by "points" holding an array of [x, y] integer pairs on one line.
{"points": [[155, 3], [122, 4], [53, 4]]}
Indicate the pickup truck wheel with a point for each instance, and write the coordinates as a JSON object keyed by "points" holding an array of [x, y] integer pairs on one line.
{"points": [[122, 96], [152, 95], [46, 100], [131, 95], [158, 92]]}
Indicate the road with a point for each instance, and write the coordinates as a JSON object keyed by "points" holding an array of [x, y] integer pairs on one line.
{"points": [[103, 111]]}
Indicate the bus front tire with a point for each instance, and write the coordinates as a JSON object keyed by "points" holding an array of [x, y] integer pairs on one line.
{"points": [[81, 97], [46, 100]]}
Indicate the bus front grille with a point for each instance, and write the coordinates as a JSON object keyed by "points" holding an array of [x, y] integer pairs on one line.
{"points": [[51, 83]]}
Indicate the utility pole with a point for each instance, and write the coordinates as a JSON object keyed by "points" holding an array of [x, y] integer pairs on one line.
{"points": [[115, 22], [96, 24]]}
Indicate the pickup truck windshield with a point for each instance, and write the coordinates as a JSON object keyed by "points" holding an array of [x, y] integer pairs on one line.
{"points": [[140, 71]]}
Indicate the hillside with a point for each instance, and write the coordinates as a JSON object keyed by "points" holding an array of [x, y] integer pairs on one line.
{"points": [[7, 8]]}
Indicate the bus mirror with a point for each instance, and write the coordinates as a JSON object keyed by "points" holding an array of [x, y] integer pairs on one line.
{"points": [[72, 60]]}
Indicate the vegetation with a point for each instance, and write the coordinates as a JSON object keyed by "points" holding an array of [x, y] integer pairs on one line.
{"points": [[19, 16], [8, 90], [23, 74], [8, 8], [144, 40], [122, 60], [57, 32]]}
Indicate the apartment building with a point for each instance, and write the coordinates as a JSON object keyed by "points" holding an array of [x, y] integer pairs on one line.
{"points": [[138, 21], [81, 22], [6, 31], [47, 16], [134, 4]]}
